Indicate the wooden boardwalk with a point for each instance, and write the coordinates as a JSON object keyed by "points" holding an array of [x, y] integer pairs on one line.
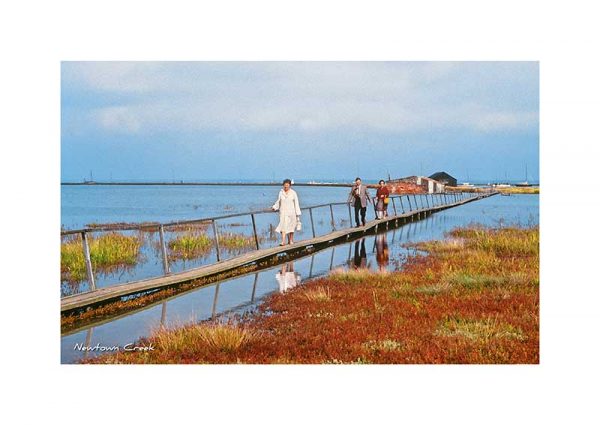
{"points": [[88, 299]]}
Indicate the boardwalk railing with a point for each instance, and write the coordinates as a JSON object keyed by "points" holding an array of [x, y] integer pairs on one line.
{"points": [[399, 204]]}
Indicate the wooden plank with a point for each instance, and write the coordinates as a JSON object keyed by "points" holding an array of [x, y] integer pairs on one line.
{"points": [[76, 301]]}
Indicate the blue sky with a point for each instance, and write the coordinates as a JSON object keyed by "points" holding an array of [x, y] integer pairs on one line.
{"points": [[209, 121]]}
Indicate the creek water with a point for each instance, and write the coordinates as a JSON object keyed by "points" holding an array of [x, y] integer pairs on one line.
{"points": [[384, 250]]}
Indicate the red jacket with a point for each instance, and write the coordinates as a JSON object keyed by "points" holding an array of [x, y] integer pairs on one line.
{"points": [[383, 192]]}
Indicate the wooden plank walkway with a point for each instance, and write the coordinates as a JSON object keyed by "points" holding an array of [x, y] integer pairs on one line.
{"points": [[90, 298]]}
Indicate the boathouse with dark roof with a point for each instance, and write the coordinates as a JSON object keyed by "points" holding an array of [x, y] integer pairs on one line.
{"points": [[444, 178]]}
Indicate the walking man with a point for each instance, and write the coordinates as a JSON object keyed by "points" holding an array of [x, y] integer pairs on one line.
{"points": [[359, 198]]}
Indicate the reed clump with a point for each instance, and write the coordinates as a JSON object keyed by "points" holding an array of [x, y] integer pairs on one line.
{"points": [[318, 294], [478, 330], [189, 245], [237, 242], [107, 252]]}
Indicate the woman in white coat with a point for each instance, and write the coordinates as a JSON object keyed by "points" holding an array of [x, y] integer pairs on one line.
{"points": [[289, 212]]}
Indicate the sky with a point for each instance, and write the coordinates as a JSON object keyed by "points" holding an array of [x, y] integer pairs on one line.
{"points": [[212, 121]]}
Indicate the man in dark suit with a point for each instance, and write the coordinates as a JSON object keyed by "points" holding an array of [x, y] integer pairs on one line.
{"points": [[359, 198]]}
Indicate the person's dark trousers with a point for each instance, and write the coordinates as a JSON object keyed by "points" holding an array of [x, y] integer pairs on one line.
{"points": [[363, 213]]}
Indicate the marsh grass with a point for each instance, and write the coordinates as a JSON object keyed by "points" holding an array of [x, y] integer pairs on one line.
{"points": [[482, 330], [474, 305], [433, 289], [108, 252], [520, 190], [384, 345], [351, 275], [226, 338], [189, 245], [318, 294], [195, 243], [505, 241], [237, 242], [474, 281]]}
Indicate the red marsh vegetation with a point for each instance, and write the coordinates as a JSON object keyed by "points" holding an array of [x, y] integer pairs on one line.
{"points": [[473, 299]]}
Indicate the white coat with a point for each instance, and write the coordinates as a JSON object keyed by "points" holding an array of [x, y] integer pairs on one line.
{"points": [[288, 206]]}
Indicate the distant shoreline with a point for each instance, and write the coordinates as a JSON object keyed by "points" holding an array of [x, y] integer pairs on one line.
{"points": [[200, 184], [466, 188]]}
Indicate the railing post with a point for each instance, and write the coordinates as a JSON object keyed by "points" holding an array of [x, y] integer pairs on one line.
{"points": [[427, 200], [409, 204], [394, 205], [254, 230], [214, 306], [350, 214], [254, 287], [331, 261], [332, 219], [312, 222], [163, 247], [401, 204], [88, 261], [88, 341], [216, 233]]}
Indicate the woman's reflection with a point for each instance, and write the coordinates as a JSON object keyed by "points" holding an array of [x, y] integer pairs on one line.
{"points": [[287, 277], [382, 256]]}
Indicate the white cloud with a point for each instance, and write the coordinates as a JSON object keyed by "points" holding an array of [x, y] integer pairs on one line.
{"points": [[310, 97], [120, 119]]}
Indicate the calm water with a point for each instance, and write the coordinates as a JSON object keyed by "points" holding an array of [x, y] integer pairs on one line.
{"points": [[242, 293], [82, 205]]}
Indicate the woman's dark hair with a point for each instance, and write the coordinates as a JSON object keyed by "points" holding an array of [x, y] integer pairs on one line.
{"points": [[357, 179], [287, 181], [382, 181]]}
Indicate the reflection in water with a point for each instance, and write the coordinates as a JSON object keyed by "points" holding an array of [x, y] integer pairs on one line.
{"points": [[287, 277], [360, 254], [163, 314], [382, 256]]}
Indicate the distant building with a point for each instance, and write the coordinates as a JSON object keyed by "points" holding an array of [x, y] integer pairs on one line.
{"points": [[445, 178], [416, 184]]}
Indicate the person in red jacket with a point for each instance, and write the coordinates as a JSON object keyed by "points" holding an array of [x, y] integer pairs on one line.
{"points": [[382, 197]]}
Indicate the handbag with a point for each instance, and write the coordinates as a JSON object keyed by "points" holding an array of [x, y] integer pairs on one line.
{"points": [[298, 225], [386, 200]]}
